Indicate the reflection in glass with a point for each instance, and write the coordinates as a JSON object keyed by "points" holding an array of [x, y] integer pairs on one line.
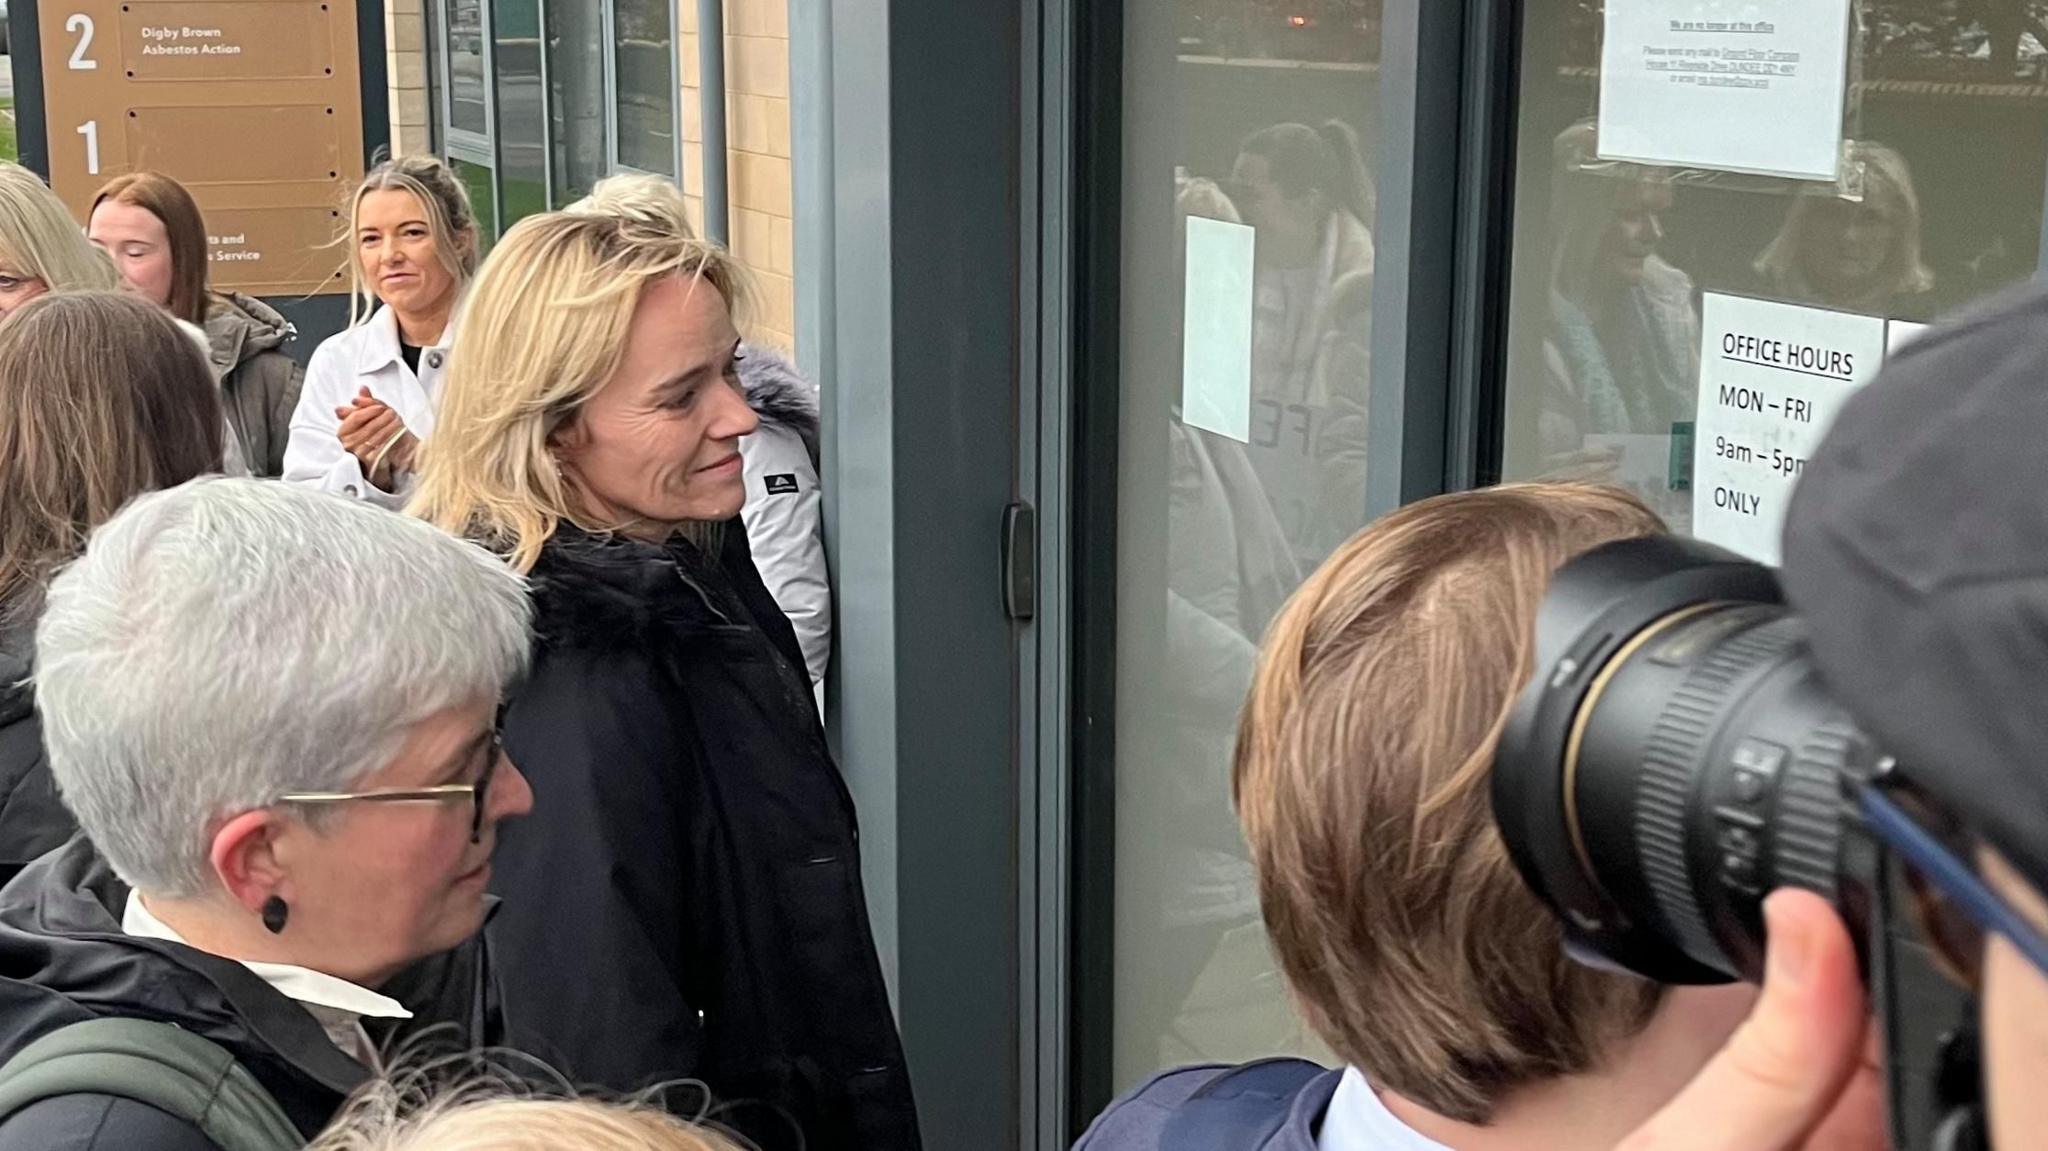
{"points": [[1853, 255], [1940, 202], [477, 179], [576, 97], [521, 137], [1622, 352], [1215, 533], [645, 55], [466, 111]]}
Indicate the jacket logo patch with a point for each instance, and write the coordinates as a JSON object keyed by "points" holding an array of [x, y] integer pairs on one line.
{"points": [[783, 485]]}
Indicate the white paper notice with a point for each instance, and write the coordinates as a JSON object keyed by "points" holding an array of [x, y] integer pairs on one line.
{"points": [[1772, 378], [1734, 85], [1901, 333], [1216, 344]]}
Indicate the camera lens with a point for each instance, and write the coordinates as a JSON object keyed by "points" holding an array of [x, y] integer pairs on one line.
{"points": [[1673, 759]]}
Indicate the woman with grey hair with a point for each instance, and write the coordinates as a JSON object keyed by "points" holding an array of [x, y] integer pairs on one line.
{"points": [[286, 766]]}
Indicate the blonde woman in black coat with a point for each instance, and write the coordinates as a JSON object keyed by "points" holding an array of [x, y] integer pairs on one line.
{"points": [[687, 903]]}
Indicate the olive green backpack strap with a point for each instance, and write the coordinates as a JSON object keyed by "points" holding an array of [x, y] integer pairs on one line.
{"points": [[156, 1064]]}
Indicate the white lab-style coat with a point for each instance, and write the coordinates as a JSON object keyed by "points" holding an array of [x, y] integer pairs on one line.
{"points": [[367, 355]]}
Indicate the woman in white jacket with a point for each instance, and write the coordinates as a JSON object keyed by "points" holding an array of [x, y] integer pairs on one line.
{"points": [[371, 391]]}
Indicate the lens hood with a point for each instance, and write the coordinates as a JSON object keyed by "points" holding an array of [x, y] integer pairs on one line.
{"points": [[1600, 607]]}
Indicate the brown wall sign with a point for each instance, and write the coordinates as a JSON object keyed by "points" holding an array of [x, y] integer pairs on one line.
{"points": [[255, 105]]}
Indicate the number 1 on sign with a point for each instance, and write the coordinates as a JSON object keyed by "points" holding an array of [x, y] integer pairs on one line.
{"points": [[91, 131]]}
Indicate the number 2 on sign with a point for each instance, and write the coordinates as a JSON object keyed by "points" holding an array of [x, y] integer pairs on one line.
{"points": [[80, 23], [91, 131]]}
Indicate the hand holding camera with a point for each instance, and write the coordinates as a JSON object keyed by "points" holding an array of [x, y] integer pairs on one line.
{"points": [[1803, 1071]]}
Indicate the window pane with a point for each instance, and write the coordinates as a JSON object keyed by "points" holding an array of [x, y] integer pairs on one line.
{"points": [[1247, 284], [521, 138], [466, 66], [645, 58], [477, 178], [1945, 158], [576, 97]]}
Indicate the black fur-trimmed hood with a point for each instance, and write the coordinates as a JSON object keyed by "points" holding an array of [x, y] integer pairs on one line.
{"points": [[608, 593], [779, 394]]}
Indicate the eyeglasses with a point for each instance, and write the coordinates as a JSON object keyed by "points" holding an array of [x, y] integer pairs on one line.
{"points": [[478, 792], [1954, 905]]}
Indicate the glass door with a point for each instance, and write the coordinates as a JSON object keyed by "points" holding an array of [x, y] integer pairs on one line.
{"points": [[1247, 271], [1618, 265]]}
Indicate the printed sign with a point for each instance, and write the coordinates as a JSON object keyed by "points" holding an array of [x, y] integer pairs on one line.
{"points": [[1733, 85], [1216, 342], [1772, 378], [253, 105]]}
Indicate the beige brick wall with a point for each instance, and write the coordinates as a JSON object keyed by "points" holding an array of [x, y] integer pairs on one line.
{"points": [[757, 153], [405, 66]]}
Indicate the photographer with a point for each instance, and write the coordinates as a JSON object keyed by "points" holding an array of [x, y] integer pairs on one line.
{"points": [[1411, 946], [1917, 557]]}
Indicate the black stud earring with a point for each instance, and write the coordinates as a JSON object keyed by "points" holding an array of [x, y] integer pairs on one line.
{"points": [[274, 915]]}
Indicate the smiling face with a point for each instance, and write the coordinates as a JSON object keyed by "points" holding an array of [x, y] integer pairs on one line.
{"points": [[399, 257], [139, 245], [658, 445]]}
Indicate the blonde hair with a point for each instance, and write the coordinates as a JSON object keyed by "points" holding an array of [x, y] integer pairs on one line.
{"points": [[39, 238], [1361, 779], [650, 200], [544, 327], [450, 220], [502, 1108], [1887, 188]]}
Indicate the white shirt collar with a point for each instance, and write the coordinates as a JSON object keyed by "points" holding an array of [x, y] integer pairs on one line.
{"points": [[1358, 1121], [383, 327], [300, 984]]}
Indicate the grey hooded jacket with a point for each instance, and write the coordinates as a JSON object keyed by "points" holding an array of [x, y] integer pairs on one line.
{"points": [[259, 383]]}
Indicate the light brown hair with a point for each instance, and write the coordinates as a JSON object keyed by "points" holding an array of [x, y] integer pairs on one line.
{"points": [[1362, 780], [184, 234], [102, 398], [544, 328]]}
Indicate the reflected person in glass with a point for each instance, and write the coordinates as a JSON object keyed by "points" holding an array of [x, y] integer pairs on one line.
{"points": [[1621, 356], [1854, 255], [1309, 195]]}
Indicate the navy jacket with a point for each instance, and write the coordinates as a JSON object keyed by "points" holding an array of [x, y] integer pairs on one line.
{"points": [[1270, 1105]]}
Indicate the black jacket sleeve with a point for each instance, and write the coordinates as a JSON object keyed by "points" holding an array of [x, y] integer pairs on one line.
{"points": [[33, 820], [98, 1123], [590, 944]]}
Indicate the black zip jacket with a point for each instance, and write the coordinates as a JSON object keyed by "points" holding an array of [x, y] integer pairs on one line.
{"points": [[685, 900], [64, 959]]}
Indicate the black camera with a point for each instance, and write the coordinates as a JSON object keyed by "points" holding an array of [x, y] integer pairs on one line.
{"points": [[1676, 757]]}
